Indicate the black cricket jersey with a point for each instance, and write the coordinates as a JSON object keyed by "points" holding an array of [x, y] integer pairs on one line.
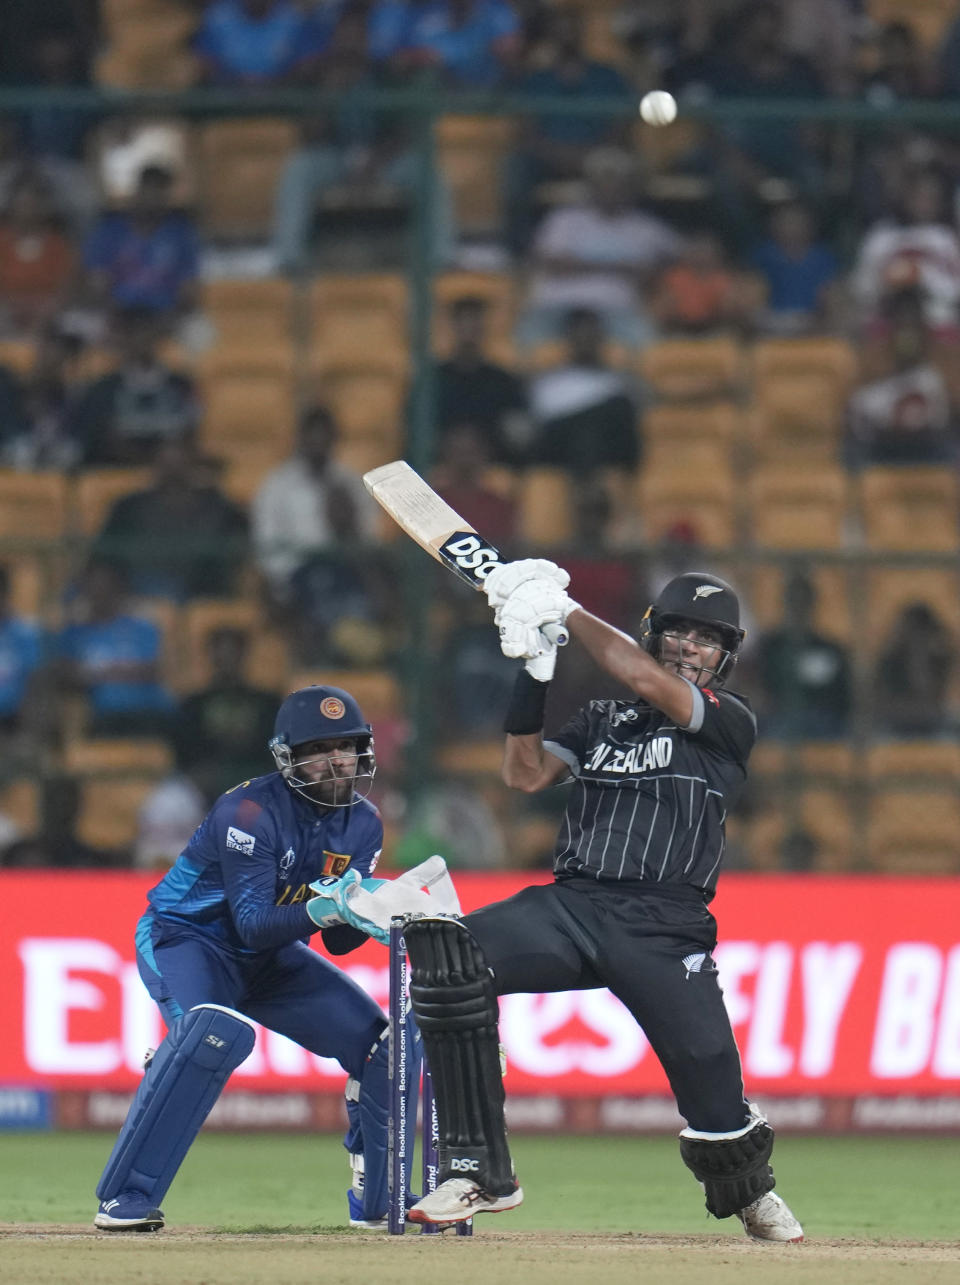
{"points": [[650, 798]]}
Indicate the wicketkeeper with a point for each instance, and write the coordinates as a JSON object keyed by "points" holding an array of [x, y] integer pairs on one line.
{"points": [[223, 945], [636, 865]]}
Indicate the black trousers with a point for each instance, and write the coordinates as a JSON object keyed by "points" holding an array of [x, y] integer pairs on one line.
{"points": [[582, 935]]}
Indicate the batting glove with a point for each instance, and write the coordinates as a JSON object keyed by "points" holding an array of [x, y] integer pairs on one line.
{"points": [[532, 605], [503, 580]]}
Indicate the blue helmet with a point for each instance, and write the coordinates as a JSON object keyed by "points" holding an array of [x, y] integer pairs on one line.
{"points": [[320, 714]]}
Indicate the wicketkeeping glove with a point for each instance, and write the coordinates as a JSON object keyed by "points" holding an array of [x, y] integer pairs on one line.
{"points": [[503, 580]]}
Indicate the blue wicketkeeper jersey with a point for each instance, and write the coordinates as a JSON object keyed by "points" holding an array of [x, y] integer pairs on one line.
{"points": [[244, 876]]}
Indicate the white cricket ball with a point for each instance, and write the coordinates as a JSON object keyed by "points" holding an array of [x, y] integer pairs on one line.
{"points": [[658, 107]]}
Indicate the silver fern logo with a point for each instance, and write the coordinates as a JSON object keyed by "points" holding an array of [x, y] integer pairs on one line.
{"points": [[693, 963]]}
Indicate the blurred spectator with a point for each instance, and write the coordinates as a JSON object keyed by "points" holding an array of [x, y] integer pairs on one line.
{"points": [[458, 818], [470, 389], [124, 417], [181, 537], [474, 680], [220, 732], [554, 147], [804, 678], [607, 585], [51, 138], [907, 412], [55, 844], [459, 477], [113, 656], [585, 412], [900, 68], [36, 258], [947, 68], [801, 272], [598, 255], [166, 821], [20, 655], [826, 34], [145, 256], [36, 413], [252, 43], [799, 849], [919, 248], [309, 504], [913, 673], [470, 44], [703, 291], [363, 155]]}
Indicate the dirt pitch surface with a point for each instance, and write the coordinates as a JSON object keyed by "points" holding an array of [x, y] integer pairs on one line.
{"points": [[39, 1254]]}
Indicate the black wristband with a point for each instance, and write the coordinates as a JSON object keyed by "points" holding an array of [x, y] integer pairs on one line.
{"points": [[525, 712]]}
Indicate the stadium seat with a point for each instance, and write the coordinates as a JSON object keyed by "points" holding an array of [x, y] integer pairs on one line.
{"points": [[914, 831], [705, 507], [166, 616], [117, 755], [95, 493], [833, 610], [910, 509], [891, 589], [797, 759], [377, 691], [719, 423], [18, 355], [924, 760], [28, 583], [367, 400], [241, 406], [550, 353], [109, 810], [793, 508], [499, 292], [33, 506], [355, 316], [248, 315], [694, 369], [545, 507], [470, 155], [826, 815], [927, 19], [239, 166], [20, 803], [360, 454], [819, 357], [267, 656], [474, 758]]}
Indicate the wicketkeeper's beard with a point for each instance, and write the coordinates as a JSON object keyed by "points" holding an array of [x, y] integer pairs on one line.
{"points": [[333, 792]]}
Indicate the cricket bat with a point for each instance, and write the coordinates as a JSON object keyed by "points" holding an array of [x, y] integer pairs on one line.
{"points": [[415, 506]]}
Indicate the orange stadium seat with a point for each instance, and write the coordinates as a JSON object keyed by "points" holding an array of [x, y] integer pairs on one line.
{"points": [[798, 509], [546, 507], [470, 155], [20, 803], [33, 506], [826, 815], [267, 656], [250, 314], [713, 422], [691, 369], [242, 406], [706, 506], [923, 760], [914, 831], [822, 358], [239, 166], [497, 289], [367, 401], [833, 608], [891, 589], [354, 316], [910, 509], [113, 755], [928, 19], [109, 810]]}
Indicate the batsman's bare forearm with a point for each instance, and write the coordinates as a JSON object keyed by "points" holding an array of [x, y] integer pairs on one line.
{"points": [[625, 660], [524, 762]]}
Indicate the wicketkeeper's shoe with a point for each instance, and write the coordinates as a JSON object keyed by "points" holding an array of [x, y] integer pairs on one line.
{"points": [[458, 1199], [130, 1211], [769, 1218]]}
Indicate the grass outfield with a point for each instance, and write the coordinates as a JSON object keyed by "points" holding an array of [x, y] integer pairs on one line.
{"points": [[861, 1188]]}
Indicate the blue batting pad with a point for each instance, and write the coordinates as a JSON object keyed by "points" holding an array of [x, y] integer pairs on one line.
{"points": [[179, 1087]]}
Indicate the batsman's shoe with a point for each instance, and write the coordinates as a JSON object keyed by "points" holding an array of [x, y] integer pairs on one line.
{"points": [[355, 1207], [130, 1211], [769, 1218], [458, 1199]]}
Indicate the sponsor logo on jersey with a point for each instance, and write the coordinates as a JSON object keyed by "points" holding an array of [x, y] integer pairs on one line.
{"points": [[287, 860], [335, 863], [711, 696], [625, 716], [705, 590], [620, 759], [469, 556], [332, 707], [240, 840], [693, 963]]}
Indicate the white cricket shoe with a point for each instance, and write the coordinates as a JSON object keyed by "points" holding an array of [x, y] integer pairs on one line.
{"points": [[769, 1218], [458, 1199]]}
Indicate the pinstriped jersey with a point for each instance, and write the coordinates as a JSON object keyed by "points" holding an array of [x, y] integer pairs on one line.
{"points": [[649, 798]]}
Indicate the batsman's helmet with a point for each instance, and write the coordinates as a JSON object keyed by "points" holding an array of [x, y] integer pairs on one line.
{"points": [[319, 714], [700, 597]]}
